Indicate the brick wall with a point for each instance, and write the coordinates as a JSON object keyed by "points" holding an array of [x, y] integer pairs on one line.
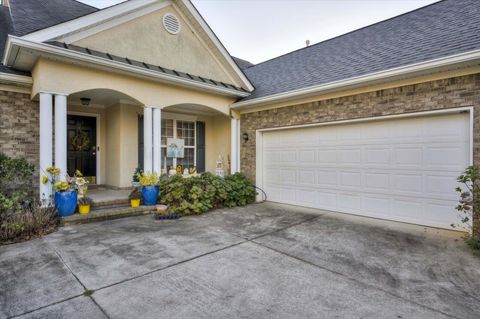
{"points": [[442, 94], [19, 128]]}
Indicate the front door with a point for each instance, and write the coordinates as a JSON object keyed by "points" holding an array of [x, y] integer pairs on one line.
{"points": [[82, 146]]}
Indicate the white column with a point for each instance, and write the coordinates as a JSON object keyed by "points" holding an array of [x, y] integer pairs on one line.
{"points": [[147, 139], [234, 145], [157, 140], [45, 142], [61, 134]]}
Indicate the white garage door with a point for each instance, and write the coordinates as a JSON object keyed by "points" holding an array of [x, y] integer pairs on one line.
{"points": [[403, 169]]}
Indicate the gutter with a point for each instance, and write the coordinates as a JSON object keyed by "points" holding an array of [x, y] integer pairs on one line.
{"points": [[470, 58], [22, 80], [17, 42]]}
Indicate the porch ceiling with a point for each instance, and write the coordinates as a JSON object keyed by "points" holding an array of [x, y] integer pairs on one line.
{"points": [[103, 97]]}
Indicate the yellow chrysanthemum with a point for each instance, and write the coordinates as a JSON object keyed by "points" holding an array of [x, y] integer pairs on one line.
{"points": [[61, 186], [44, 180], [78, 173]]}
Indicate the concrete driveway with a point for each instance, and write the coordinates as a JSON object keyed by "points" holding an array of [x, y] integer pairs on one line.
{"points": [[260, 261]]}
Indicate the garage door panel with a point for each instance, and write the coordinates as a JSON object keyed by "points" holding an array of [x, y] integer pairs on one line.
{"points": [[350, 202], [306, 156], [306, 177], [399, 169], [440, 186], [377, 181], [327, 200], [448, 156], [350, 156], [407, 182], [350, 179], [327, 177], [327, 156], [409, 157], [377, 156]]}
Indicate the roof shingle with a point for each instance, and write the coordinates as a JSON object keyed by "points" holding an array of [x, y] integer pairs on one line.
{"points": [[444, 28], [33, 15]]}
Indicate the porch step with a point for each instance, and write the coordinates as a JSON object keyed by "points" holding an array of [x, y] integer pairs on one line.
{"points": [[110, 203], [106, 213]]}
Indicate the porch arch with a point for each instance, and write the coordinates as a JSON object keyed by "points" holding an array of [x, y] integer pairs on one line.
{"points": [[58, 77]]}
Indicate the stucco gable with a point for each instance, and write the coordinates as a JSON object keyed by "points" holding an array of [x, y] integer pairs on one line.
{"points": [[145, 39]]}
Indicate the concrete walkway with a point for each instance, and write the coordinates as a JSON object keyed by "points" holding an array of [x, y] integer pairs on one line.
{"points": [[260, 261]]}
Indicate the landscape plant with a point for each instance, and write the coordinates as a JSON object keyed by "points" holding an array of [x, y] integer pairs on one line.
{"points": [[16, 185], [135, 197], [21, 218], [148, 179], [469, 205], [199, 194], [84, 204]]}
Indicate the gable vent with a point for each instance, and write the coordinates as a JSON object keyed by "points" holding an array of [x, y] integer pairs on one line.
{"points": [[171, 23]]}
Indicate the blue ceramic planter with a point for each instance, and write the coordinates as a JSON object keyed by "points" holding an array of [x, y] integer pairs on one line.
{"points": [[65, 203], [150, 195]]}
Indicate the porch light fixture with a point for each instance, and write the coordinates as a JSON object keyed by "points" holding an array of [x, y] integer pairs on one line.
{"points": [[245, 137], [85, 101]]}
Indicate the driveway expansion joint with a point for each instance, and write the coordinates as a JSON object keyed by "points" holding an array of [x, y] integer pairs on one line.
{"points": [[87, 292]]}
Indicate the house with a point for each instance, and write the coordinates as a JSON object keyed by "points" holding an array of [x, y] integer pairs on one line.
{"points": [[377, 122]]}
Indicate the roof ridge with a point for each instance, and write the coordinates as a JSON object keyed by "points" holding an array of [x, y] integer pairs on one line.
{"points": [[350, 32]]}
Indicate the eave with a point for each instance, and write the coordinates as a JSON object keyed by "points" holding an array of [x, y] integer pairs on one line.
{"points": [[16, 46]]}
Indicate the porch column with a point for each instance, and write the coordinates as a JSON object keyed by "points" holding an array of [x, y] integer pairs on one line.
{"points": [[147, 139], [61, 134], [235, 145], [45, 142], [157, 141]]}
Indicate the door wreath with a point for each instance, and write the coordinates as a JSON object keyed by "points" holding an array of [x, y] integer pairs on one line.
{"points": [[81, 141]]}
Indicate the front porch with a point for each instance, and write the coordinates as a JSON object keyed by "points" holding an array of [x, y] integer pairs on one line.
{"points": [[107, 135], [107, 124]]}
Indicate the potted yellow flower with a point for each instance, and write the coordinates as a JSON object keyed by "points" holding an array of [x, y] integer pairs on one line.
{"points": [[65, 197], [150, 189], [84, 204], [135, 197]]}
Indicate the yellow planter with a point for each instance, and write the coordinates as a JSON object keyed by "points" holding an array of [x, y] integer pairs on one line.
{"points": [[84, 209], [135, 203]]}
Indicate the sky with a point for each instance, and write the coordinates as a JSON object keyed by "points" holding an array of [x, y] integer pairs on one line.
{"points": [[259, 30]]}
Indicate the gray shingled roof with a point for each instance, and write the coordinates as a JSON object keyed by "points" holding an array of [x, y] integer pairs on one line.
{"points": [[242, 64], [147, 66], [441, 29], [6, 28], [26, 16], [33, 15]]}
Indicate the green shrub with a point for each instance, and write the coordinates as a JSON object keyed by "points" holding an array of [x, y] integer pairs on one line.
{"points": [[198, 194], [469, 204], [20, 217], [15, 183]]}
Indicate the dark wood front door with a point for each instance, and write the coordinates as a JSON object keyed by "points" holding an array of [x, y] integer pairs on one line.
{"points": [[82, 146]]}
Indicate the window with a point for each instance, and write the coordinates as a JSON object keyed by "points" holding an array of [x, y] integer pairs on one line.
{"points": [[184, 130]]}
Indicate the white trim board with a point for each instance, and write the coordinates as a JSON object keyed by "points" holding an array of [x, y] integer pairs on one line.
{"points": [[259, 133], [98, 141]]}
